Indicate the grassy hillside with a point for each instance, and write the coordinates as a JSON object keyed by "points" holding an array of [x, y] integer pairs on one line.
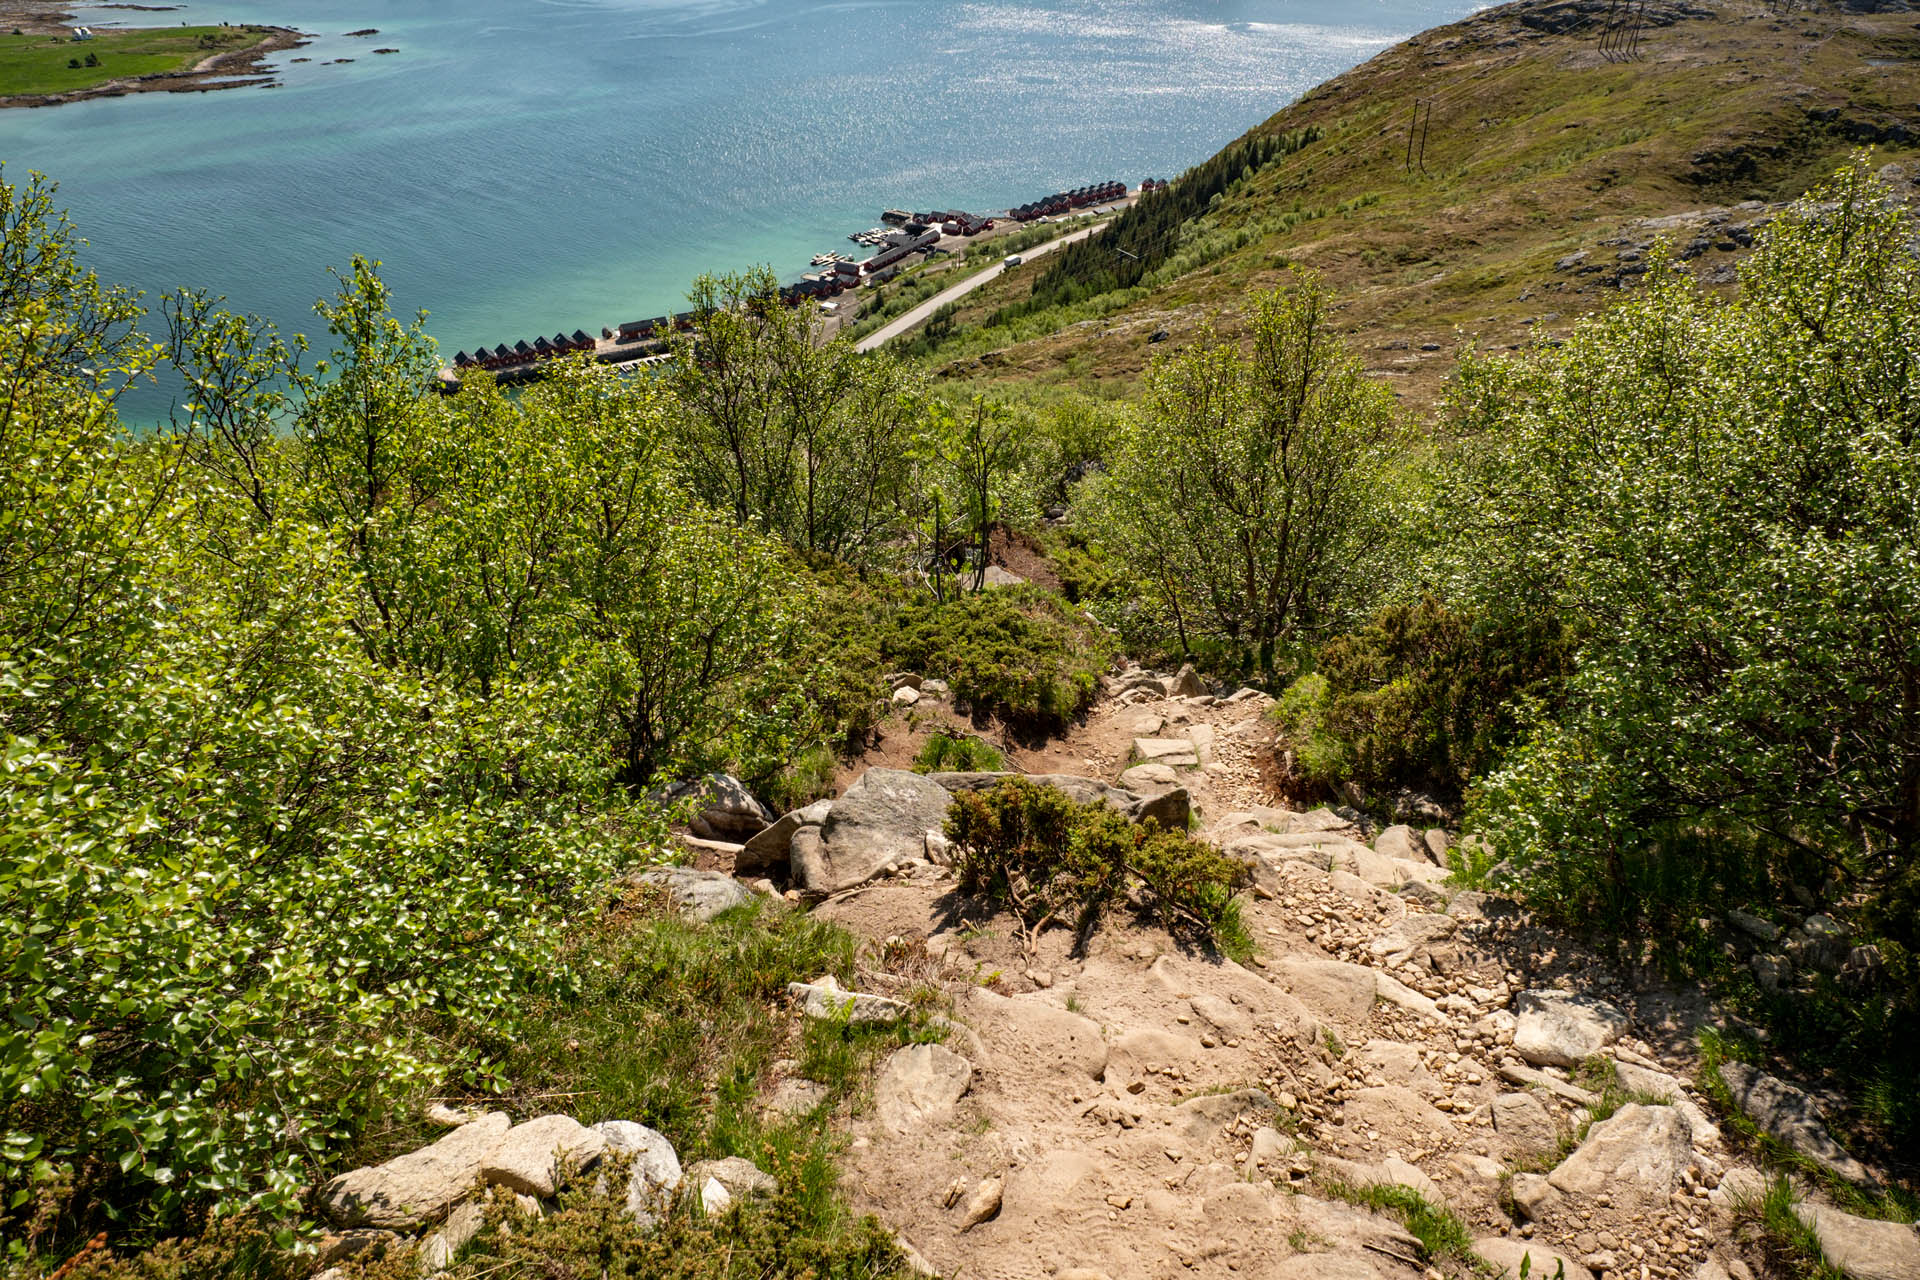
{"points": [[1550, 127], [33, 64]]}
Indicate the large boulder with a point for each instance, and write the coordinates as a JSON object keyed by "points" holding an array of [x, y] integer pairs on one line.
{"points": [[920, 1084], [882, 820], [724, 808], [1638, 1152], [698, 895], [528, 1160], [770, 849], [1864, 1248], [1790, 1116], [419, 1187], [1399, 841], [654, 1174], [1562, 1029]]}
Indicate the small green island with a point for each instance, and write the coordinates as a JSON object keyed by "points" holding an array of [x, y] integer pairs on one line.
{"points": [[41, 66]]}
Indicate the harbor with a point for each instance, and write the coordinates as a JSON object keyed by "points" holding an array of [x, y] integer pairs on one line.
{"points": [[903, 238]]}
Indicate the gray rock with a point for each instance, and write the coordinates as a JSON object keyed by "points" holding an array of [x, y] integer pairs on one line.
{"points": [[1770, 971], [1753, 926], [826, 998], [727, 810], [419, 1187], [1514, 1073], [984, 1204], [529, 1158], [1533, 1194], [1658, 1084], [1169, 809], [1399, 841], [882, 820], [1791, 1116], [1507, 1255], [1269, 1148], [732, 1179], [1524, 1121], [905, 696], [1413, 936], [920, 1084], [1638, 1152], [698, 895], [1864, 1248], [1187, 683], [1175, 752], [437, 1251], [1145, 778], [798, 1097], [655, 1172], [1437, 845], [770, 849], [1560, 1028]]}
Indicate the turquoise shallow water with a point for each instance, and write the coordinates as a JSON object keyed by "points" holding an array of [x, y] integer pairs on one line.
{"points": [[527, 166]]}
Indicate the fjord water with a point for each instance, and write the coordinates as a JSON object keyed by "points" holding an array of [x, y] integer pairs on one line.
{"points": [[527, 166]]}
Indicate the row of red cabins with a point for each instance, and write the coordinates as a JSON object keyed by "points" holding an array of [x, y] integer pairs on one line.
{"points": [[524, 352], [1078, 198]]}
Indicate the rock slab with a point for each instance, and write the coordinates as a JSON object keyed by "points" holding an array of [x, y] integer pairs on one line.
{"points": [[1561, 1029], [698, 895], [529, 1158], [1639, 1151], [1791, 1116], [1862, 1247], [410, 1190], [882, 820]]}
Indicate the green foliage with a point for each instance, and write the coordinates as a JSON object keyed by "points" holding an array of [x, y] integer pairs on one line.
{"points": [[1720, 498], [1013, 652], [807, 442], [715, 1019], [1423, 696], [311, 739], [945, 752], [1442, 1235], [1251, 495], [1056, 862]]}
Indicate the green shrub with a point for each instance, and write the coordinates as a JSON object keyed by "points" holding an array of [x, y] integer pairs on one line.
{"points": [[1423, 697], [956, 753], [1056, 862], [1013, 652]]}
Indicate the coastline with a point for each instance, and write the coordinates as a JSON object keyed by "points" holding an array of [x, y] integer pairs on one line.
{"points": [[237, 68]]}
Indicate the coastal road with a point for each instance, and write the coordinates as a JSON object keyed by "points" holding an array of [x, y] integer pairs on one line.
{"points": [[920, 314]]}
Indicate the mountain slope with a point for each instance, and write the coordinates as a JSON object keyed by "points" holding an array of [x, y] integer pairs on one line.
{"points": [[1539, 130]]}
